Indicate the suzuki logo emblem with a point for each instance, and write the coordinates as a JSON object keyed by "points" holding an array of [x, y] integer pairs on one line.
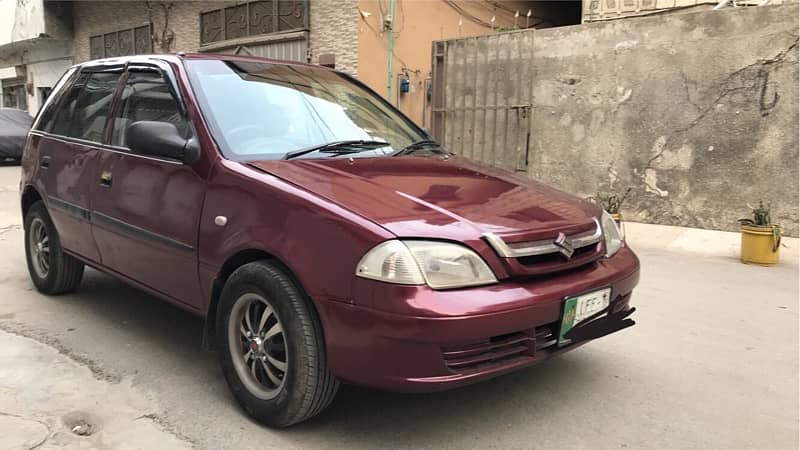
{"points": [[564, 245]]}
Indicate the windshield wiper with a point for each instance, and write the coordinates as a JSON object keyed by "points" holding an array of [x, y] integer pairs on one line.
{"points": [[351, 146], [418, 145]]}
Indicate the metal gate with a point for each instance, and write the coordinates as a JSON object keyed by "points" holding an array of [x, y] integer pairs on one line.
{"points": [[481, 99]]}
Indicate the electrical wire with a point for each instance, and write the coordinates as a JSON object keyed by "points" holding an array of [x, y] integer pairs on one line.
{"points": [[500, 5], [492, 6], [467, 15], [381, 40]]}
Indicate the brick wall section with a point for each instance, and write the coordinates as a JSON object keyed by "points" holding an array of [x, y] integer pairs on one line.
{"points": [[93, 18], [333, 26], [334, 29]]}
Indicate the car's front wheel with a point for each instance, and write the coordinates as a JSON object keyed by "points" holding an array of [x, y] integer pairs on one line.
{"points": [[52, 270], [271, 347]]}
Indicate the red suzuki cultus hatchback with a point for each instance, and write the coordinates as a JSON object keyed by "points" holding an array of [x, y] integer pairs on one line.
{"points": [[324, 237]]}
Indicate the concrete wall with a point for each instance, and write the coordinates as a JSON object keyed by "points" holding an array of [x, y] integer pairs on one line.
{"points": [[44, 74], [698, 113]]}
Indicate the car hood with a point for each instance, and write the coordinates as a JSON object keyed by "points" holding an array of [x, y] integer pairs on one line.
{"points": [[439, 197]]}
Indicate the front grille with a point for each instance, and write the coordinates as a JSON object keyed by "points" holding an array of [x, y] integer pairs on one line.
{"points": [[557, 258], [498, 350], [546, 255]]}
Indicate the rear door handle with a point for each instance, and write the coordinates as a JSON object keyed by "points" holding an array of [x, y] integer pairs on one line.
{"points": [[44, 163], [105, 179]]}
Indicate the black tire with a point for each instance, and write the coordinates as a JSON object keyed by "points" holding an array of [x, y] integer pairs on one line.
{"points": [[306, 387], [64, 273]]}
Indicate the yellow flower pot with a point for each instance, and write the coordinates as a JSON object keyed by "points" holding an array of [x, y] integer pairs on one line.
{"points": [[759, 244], [618, 218]]}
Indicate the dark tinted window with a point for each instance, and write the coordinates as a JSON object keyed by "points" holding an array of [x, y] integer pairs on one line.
{"points": [[84, 111], [146, 96]]}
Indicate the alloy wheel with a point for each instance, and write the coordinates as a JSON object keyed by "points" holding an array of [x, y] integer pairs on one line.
{"points": [[258, 346], [39, 248]]}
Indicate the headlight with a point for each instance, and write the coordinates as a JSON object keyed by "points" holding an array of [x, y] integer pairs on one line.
{"points": [[611, 234], [440, 265]]}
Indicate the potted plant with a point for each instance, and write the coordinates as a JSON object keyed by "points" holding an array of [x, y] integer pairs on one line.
{"points": [[761, 239], [612, 203]]}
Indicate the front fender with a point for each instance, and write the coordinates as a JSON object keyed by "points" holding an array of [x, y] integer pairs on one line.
{"points": [[318, 241]]}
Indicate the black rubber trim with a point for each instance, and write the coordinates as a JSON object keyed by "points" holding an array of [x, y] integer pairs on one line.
{"points": [[79, 212], [135, 231], [82, 213], [103, 147]]}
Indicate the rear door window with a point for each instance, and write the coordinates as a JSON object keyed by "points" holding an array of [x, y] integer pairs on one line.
{"points": [[146, 96], [85, 108]]}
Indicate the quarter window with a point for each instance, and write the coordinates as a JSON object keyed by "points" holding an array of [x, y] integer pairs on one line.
{"points": [[85, 108], [146, 96]]}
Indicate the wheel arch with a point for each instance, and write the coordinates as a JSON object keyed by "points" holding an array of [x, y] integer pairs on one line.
{"points": [[29, 196], [230, 265]]}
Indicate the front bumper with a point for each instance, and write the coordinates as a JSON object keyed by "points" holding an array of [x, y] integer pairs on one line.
{"points": [[416, 339]]}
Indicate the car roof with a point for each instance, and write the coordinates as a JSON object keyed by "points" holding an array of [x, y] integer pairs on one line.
{"points": [[177, 57]]}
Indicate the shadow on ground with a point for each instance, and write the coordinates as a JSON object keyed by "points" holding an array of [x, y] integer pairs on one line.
{"points": [[166, 341]]}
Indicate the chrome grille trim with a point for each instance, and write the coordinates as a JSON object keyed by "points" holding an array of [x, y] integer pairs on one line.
{"points": [[541, 247]]}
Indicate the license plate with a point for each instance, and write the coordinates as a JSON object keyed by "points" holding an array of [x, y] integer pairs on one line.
{"points": [[577, 309]]}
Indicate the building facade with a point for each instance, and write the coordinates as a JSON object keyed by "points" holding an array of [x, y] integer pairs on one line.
{"points": [[39, 39], [43, 38], [35, 49]]}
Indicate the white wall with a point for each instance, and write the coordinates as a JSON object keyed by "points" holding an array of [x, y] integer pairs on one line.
{"points": [[20, 20], [44, 74]]}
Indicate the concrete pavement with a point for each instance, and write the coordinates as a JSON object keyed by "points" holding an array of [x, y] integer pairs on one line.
{"points": [[712, 364]]}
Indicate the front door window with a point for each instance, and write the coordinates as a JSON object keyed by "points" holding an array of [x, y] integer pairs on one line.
{"points": [[146, 96]]}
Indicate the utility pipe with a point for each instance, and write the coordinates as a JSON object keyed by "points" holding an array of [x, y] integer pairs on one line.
{"points": [[390, 77]]}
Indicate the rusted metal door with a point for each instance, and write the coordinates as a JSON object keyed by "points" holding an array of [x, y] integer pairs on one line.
{"points": [[481, 102]]}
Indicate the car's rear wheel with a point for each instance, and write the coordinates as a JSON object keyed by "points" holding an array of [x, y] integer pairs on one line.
{"points": [[52, 270], [271, 347]]}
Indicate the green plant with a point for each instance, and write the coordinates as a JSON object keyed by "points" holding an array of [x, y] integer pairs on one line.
{"points": [[610, 202], [761, 219], [760, 216]]}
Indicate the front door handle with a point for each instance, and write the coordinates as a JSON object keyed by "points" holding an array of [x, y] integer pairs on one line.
{"points": [[105, 179], [44, 163]]}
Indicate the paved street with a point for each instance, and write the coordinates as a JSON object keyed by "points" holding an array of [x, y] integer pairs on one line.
{"points": [[712, 364]]}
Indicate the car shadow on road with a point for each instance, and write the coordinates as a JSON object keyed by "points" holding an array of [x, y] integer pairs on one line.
{"points": [[169, 338]]}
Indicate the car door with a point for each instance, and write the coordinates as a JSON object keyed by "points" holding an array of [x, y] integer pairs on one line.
{"points": [[68, 139], [146, 210]]}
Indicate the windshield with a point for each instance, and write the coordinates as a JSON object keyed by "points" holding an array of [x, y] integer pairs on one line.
{"points": [[264, 111]]}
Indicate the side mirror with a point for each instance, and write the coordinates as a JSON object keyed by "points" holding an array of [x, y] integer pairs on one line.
{"points": [[161, 139]]}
